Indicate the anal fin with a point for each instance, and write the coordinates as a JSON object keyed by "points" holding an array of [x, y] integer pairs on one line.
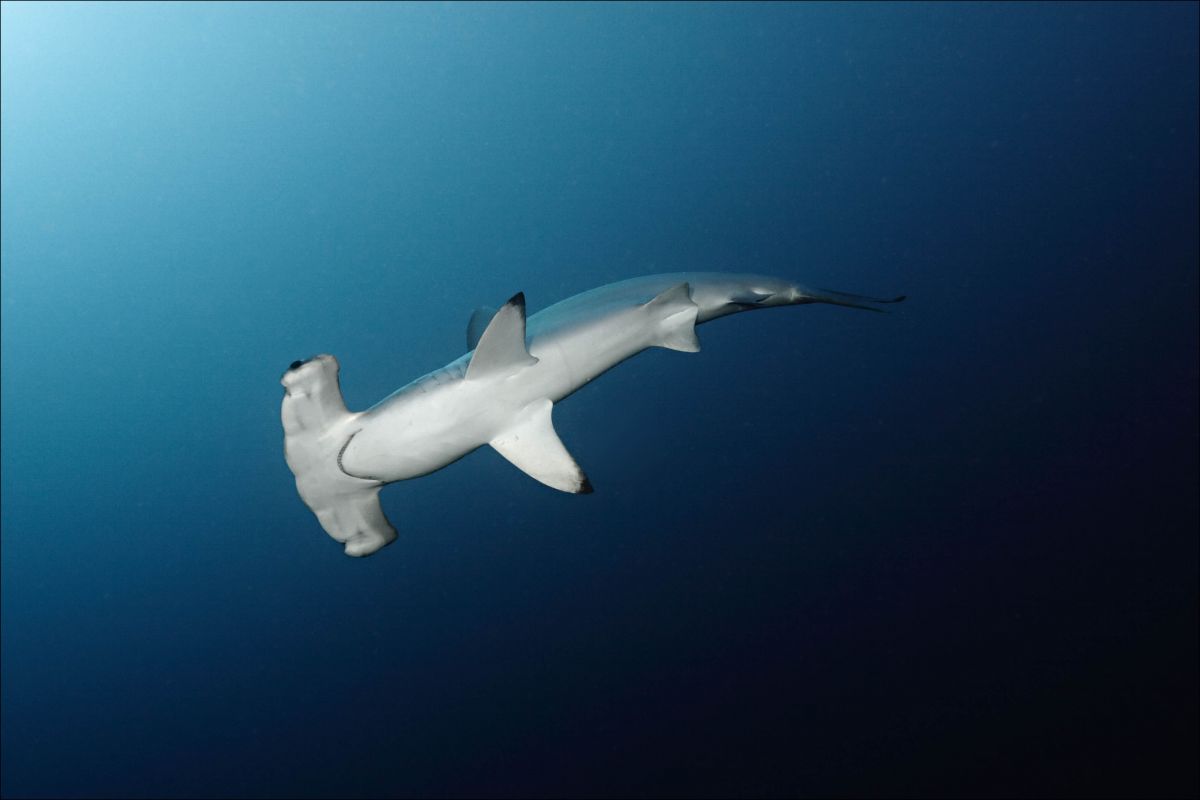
{"points": [[478, 324], [532, 446], [676, 314]]}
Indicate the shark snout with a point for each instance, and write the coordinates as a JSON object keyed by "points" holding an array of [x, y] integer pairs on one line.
{"points": [[307, 370]]}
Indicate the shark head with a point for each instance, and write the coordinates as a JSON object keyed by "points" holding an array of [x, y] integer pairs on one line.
{"points": [[316, 428]]}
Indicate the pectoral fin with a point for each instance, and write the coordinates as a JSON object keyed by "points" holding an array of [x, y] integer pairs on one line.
{"points": [[532, 446], [478, 324]]}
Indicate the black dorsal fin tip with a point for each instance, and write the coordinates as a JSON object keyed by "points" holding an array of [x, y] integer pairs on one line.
{"points": [[501, 348], [585, 487]]}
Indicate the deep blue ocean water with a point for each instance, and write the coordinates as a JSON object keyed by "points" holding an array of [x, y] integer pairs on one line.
{"points": [[947, 551]]}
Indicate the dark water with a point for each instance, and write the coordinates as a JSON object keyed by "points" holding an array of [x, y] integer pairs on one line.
{"points": [[947, 551]]}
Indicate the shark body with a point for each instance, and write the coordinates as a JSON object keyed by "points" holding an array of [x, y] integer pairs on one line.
{"points": [[501, 392]]}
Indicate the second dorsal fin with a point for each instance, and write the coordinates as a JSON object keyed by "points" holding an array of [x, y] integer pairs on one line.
{"points": [[501, 347]]}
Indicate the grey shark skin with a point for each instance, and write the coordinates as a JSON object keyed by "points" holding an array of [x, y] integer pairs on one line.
{"points": [[499, 393]]}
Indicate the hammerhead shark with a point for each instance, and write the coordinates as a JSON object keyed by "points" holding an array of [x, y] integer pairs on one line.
{"points": [[501, 392]]}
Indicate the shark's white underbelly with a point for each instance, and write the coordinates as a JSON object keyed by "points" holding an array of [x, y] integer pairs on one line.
{"points": [[500, 393], [416, 432]]}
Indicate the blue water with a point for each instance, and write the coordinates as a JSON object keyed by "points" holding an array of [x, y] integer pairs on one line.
{"points": [[950, 550]]}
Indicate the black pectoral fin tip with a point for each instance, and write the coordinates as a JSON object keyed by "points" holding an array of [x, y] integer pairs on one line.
{"points": [[517, 299], [585, 487]]}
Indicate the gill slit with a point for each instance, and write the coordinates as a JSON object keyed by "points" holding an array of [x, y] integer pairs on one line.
{"points": [[342, 452]]}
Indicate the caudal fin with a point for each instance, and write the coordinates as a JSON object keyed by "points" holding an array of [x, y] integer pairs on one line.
{"points": [[845, 299]]}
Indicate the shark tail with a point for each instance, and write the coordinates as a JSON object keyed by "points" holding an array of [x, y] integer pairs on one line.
{"points": [[846, 299]]}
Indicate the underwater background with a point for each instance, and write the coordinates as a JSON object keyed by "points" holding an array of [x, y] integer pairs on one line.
{"points": [[949, 551]]}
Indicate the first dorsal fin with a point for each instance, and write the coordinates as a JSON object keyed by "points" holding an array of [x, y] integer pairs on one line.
{"points": [[532, 446], [501, 347], [478, 324]]}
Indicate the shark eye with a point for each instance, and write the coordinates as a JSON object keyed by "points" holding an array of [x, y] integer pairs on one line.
{"points": [[296, 365]]}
